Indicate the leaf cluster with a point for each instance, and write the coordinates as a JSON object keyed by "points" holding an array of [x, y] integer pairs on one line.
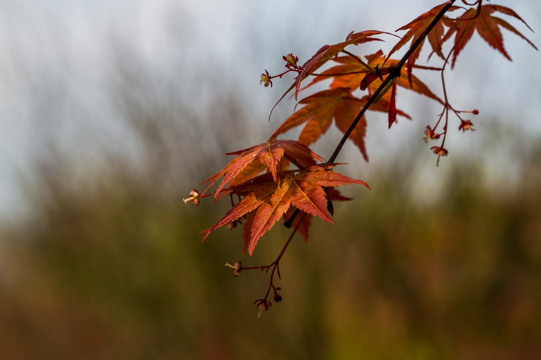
{"points": [[262, 178]]}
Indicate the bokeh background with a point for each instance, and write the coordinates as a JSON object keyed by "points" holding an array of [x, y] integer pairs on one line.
{"points": [[112, 111]]}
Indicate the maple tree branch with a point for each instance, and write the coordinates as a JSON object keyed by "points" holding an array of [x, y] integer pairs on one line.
{"points": [[395, 72]]}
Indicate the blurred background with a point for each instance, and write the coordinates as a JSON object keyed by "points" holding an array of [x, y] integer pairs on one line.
{"points": [[112, 111]]}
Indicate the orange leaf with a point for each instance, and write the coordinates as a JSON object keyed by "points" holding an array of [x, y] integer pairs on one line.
{"points": [[378, 60], [270, 211], [266, 201], [351, 74], [328, 52], [487, 26], [245, 206], [252, 161], [322, 175], [303, 228], [415, 30], [318, 113]]}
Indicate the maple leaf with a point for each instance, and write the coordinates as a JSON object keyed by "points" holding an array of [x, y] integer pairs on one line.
{"points": [[388, 98], [265, 201], [415, 30], [327, 52], [350, 73], [377, 60], [318, 113], [306, 220], [487, 25], [392, 105], [268, 156]]}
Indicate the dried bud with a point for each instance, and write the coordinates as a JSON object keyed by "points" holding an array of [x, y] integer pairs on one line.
{"points": [[195, 197]]}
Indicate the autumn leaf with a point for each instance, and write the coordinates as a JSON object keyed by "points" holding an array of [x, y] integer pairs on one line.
{"points": [[415, 30], [306, 220], [266, 201], [328, 52], [377, 60], [252, 161], [483, 21], [318, 113], [387, 99], [350, 73], [392, 106]]}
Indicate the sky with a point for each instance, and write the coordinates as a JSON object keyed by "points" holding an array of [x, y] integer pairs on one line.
{"points": [[59, 59]]}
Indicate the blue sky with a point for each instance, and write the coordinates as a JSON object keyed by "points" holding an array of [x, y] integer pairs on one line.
{"points": [[57, 63]]}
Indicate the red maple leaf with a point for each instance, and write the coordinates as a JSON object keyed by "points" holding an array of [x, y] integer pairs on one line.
{"points": [[328, 52], [318, 113], [273, 156], [303, 228], [378, 61], [483, 21], [265, 201], [373, 81], [351, 73], [415, 30]]}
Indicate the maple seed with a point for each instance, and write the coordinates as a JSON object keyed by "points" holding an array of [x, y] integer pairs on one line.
{"points": [[466, 125], [237, 267], [266, 79], [194, 197]]}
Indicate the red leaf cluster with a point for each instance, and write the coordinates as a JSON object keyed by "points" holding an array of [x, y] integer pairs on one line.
{"points": [[350, 73], [266, 197]]}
